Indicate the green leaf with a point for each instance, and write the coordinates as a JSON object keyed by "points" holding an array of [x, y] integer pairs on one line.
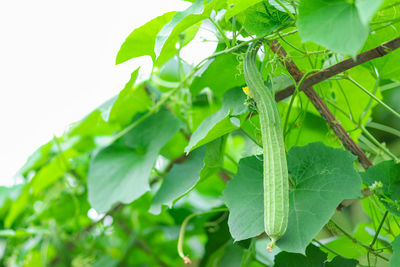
{"points": [[92, 125], [260, 21], [367, 9], [385, 179], [213, 159], [142, 40], [175, 146], [53, 171], [314, 258], [395, 259], [182, 178], [220, 75], [330, 22], [239, 6], [131, 100], [219, 124], [211, 128], [105, 108], [17, 207], [169, 34], [37, 159], [233, 256], [322, 178], [179, 181], [120, 172], [244, 197]]}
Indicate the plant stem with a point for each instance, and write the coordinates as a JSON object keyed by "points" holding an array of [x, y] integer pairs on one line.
{"points": [[251, 137], [183, 229], [288, 114], [226, 40], [366, 132], [327, 248], [356, 241], [242, 44], [374, 97], [378, 144], [378, 229]]}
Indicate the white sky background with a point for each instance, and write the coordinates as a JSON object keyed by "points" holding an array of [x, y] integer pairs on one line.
{"points": [[57, 64]]}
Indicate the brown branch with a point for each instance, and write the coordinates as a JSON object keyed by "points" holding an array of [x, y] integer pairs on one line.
{"points": [[321, 106], [344, 65]]}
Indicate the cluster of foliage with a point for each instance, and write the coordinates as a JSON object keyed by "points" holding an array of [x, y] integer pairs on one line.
{"points": [[171, 168]]}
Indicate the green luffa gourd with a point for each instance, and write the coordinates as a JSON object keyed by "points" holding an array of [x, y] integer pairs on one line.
{"points": [[275, 172]]}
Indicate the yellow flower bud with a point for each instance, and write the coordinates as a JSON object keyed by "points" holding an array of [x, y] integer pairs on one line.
{"points": [[246, 91]]}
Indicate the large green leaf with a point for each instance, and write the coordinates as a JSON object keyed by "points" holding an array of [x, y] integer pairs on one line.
{"points": [[120, 172], [385, 178], [322, 177], [220, 75], [142, 40], [244, 197], [219, 123], [313, 257], [395, 259], [335, 24]]}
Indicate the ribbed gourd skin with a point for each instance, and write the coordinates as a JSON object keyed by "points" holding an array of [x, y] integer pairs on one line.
{"points": [[276, 185]]}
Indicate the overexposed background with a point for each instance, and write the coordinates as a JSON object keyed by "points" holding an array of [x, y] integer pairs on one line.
{"points": [[57, 64]]}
